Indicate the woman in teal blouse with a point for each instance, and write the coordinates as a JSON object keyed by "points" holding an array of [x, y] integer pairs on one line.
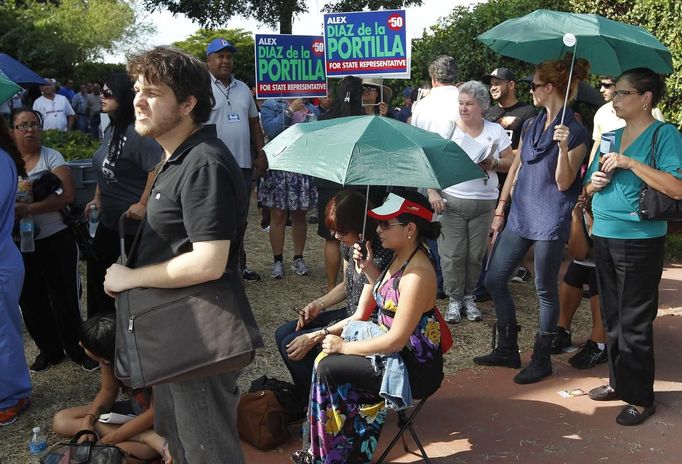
{"points": [[629, 250]]}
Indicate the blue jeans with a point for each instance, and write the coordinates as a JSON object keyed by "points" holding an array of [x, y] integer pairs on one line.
{"points": [[509, 251], [302, 371]]}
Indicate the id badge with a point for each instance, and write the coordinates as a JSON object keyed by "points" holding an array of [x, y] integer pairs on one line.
{"points": [[232, 117]]}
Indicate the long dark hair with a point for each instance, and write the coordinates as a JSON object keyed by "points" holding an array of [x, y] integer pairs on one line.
{"points": [[121, 86], [347, 100], [7, 144]]}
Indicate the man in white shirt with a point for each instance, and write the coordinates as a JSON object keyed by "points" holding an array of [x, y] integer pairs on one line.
{"points": [[235, 116], [55, 109], [437, 112]]}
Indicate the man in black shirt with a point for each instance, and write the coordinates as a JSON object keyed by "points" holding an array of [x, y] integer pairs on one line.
{"points": [[195, 222], [509, 112]]}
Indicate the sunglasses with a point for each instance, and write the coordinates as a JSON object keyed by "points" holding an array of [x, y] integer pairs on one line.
{"points": [[385, 225], [107, 94], [606, 85], [621, 93], [27, 127], [369, 88], [534, 85]]}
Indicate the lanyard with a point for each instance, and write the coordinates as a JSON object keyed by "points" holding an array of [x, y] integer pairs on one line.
{"points": [[227, 95]]}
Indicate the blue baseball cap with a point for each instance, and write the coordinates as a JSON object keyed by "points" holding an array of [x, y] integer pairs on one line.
{"points": [[219, 44]]}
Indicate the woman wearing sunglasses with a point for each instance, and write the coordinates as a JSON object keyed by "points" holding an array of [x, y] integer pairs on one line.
{"points": [[50, 295], [628, 250], [298, 341], [347, 404], [124, 165], [546, 184]]}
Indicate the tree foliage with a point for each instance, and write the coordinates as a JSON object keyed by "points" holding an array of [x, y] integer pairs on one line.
{"points": [[216, 13], [244, 61], [53, 37]]}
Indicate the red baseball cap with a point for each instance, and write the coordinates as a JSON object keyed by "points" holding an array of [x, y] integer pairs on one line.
{"points": [[396, 205]]}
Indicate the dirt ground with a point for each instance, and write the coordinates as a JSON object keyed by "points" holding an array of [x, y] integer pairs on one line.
{"points": [[67, 385]]}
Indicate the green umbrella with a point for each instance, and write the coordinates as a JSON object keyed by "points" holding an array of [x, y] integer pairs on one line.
{"points": [[371, 150], [610, 47], [7, 88]]}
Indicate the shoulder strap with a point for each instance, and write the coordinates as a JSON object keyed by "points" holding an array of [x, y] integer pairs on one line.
{"points": [[652, 161]]}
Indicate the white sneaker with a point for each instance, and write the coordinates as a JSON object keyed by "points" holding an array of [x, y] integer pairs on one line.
{"points": [[454, 311], [299, 266], [278, 270], [471, 310]]}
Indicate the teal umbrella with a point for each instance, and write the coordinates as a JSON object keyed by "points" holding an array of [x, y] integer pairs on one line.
{"points": [[610, 47], [7, 88], [371, 150]]}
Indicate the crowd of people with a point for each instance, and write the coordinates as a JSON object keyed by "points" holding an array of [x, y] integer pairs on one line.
{"points": [[177, 165]]}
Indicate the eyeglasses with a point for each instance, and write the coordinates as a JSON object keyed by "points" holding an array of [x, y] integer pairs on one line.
{"points": [[107, 94], [369, 88], [26, 127], [606, 85], [622, 93], [534, 85], [385, 225]]}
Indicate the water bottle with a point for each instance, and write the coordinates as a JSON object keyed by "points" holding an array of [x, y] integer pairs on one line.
{"points": [[26, 229], [438, 217], [94, 220], [37, 446]]}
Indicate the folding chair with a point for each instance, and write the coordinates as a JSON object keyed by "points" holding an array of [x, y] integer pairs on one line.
{"points": [[405, 423]]}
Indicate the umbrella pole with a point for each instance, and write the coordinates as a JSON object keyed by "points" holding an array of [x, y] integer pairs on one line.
{"points": [[568, 87], [364, 218]]}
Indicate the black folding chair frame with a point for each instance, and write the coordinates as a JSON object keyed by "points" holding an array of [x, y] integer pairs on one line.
{"points": [[405, 423]]}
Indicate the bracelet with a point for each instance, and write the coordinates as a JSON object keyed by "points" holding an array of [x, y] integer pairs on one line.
{"points": [[326, 331], [321, 304], [499, 215], [501, 201]]}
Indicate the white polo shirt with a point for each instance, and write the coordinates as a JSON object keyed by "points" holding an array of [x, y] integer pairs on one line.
{"points": [[438, 111], [55, 112], [234, 105]]}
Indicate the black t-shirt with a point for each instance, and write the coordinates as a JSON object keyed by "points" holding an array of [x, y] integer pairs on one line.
{"points": [[520, 111], [198, 196]]}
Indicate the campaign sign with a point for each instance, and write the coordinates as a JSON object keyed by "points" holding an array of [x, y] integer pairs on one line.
{"points": [[367, 43], [290, 66]]}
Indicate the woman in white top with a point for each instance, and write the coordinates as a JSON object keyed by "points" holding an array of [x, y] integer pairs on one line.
{"points": [[470, 205]]}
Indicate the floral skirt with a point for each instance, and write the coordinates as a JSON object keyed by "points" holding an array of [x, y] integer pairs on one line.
{"points": [[346, 413], [287, 190]]}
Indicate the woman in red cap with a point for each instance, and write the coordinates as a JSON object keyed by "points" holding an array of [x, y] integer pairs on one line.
{"points": [[348, 401]]}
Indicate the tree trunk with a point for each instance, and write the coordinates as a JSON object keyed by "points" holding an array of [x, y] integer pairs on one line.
{"points": [[286, 16]]}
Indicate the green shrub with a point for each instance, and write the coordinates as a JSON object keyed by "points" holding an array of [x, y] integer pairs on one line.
{"points": [[73, 145], [673, 248]]}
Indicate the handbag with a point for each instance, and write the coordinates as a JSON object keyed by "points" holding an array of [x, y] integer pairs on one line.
{"points": [[655, 205], [89, 452], [262, 420], [177, 334]]}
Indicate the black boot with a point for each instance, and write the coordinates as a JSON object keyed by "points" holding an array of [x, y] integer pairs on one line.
{"points": [[506, 351], [540, 363]]}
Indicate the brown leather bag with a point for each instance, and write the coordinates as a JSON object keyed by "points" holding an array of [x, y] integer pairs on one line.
{"points": [[262, 420]]}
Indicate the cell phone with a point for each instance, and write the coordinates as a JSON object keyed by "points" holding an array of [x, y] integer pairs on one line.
{"points": [[363, 248]]}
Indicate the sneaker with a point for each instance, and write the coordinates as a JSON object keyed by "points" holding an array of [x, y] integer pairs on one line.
{"points": [[471, 310], [299, 266], [561, 341], [265, 228], [522, 275], [88, 364], [277, 270], [9, 415], [454, 311], [248, 274], [589, 355], [41, 363]]}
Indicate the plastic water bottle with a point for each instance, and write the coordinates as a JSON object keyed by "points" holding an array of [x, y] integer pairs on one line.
{"points": [[26, 229], [37, 446], [94, 220]]}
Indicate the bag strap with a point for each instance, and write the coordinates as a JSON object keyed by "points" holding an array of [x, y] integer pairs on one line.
{"points": [[652, 161]]}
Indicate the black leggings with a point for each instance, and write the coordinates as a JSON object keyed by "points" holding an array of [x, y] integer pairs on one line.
{"points": [[50, 296]]}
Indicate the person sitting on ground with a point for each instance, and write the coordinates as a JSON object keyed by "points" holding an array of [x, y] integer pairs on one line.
{"points": [[346, 410], [580, 271], [298, 341], [98, 339]]}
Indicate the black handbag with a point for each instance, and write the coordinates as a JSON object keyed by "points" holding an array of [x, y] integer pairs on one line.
{"points": [[89, 452], [655, 205], [176, 334]]}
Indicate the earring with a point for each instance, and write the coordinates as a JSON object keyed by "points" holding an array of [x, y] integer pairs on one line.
{"points": [[645, 107], [409, 237]]}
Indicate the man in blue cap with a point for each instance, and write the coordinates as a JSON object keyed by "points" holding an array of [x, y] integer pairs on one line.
{"points": [[235, 116], [405, 112]]}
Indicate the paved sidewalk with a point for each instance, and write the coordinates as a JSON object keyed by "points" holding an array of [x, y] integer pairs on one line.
{"points": [[481, 415]]}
